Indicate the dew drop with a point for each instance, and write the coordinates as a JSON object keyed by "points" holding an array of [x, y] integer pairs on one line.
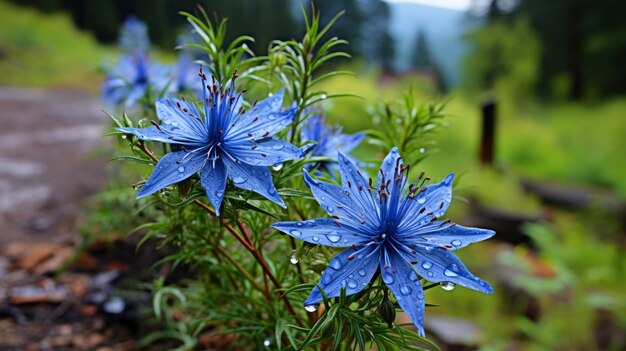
{"points": [[449, 273], [299, 224], [181, 169], [239, 179], [219, 194], [278, 146], [361, 272], [456, 242], [123, 136], [447, 285], [422, 150], [412, 276], [427, 265], [352, 284], [316, 239], [431, 274], [333, 237], [388, 278], [277, 167], [329, 209], [421, 200], [293, 259], [323, 96], [405, 290], [296, 233], [310, 308], [267, 342]]}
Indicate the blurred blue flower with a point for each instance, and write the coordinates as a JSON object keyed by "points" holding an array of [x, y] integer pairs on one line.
{"points": [[134, 36], [185, 76], [224, 141], [133, 78], [329, 140], [393, 226]]}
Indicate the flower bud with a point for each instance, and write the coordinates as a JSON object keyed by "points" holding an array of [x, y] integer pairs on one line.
{"points": [[387, 311]]}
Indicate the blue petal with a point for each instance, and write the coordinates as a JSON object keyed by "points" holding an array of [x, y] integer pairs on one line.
{"points": [[174, 117], [338, 201], [321, 231], [273, 103], [347, 142], [402, 280], [172, 168], [355, 180], [440, 265], [266, 153], [353, 274], [435, 199], [452, 237], [151, 133], [388, 167], [258, 126], [213, 179], [254, 178]]}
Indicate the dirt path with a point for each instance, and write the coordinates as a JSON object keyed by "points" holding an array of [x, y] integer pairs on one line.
{"points": [[51, 161]]}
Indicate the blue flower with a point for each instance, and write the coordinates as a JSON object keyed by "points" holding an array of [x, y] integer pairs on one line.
{"points": [[329, 139], [394, 226], [134, 35], [133, 78], [224, 141]]}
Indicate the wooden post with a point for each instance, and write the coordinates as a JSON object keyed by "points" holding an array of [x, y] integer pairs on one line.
{"points": [[487, 140]]}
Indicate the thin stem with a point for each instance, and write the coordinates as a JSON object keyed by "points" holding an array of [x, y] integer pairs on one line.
{"points": [[243, 271]]}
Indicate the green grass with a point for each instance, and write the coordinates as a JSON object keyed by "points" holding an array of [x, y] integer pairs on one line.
{"points": [[46, 51]]}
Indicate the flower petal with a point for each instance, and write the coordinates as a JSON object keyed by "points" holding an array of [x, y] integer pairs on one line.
{"points": [[451, 237], [257, 126], [355, 180], [388, 167], [321, 231], [178, 114], [347, 142], [213, 179], [151, 133], [266, 153], [434, 201], [342, 272], [440, 265], [338, 201], [172, 168], [254, 178], [402, 280], [271, 104]]}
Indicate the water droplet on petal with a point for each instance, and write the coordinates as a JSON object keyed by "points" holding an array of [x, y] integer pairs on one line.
{"points": [[310, 308], [388, 278], [450, 273], [277, 167], [352, 284], [426, 265], [219, 194], [405, 290], [299, 224], [431, 274], [362, 272], [181, 169], [329, 209], [278, 146], [335, 264], [447, 285], [316, 239], [239, 179], [456, 242], [293, 259], [421, 200], [333, 237], [412, 276], [296, 233]]}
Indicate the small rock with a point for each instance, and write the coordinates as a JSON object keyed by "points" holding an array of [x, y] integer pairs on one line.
{"points": [[28, 294]]}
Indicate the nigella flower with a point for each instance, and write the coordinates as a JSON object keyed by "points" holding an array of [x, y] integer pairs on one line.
{"points": [[394, 226], [133, 78], [329, 139], [223, 141], [134, 35], [185, 76]]}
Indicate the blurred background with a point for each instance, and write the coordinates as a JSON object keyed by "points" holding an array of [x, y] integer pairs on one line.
{"points": [[535, 95]]}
